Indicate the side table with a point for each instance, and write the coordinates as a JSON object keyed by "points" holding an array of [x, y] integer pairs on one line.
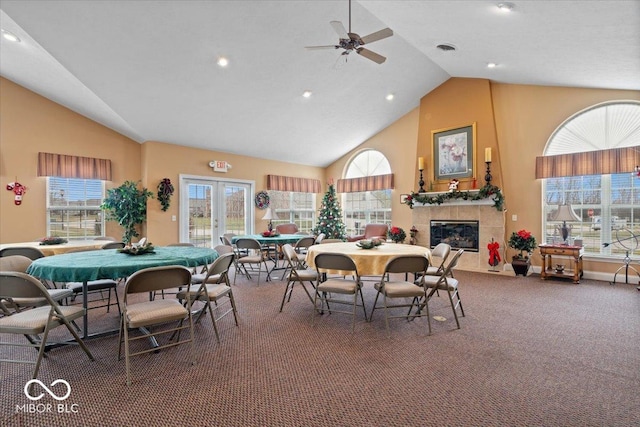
{"points": [[549, 269]]}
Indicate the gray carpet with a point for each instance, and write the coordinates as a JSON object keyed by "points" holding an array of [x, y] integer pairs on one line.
{"points": [[529, 353]]}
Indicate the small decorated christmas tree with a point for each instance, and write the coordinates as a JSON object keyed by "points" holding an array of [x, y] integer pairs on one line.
{"points": [[330, 216]]}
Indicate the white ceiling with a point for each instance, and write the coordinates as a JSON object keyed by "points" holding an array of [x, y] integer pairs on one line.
{"points": [[147, 69]]}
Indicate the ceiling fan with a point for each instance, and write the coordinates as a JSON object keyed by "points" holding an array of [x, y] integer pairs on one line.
{"points": [[352, 42]]}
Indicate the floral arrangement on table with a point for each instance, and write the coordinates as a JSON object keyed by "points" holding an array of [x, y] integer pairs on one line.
{"points": [[524, 242], [396, 234], [141, 248], [272, 233], [165, 191], [52, 240], [438, 199]]}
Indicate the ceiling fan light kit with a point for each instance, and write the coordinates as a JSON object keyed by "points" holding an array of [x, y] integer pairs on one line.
{"points": [[350, 42]]}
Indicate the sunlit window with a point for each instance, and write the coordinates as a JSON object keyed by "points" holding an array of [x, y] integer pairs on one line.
{"points": [[367, 207], [294, 207], [73, 208], [606, 207]]}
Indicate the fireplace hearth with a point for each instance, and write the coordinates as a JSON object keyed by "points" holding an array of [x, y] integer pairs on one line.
{"points": [[459, 234]]}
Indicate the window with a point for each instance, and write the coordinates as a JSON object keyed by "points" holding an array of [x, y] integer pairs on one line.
{"points": [[291, 206], [367, 207], [607, 207], [73, 208]]}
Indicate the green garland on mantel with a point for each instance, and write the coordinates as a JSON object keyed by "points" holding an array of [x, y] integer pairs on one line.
{"points": [[437, 199]]}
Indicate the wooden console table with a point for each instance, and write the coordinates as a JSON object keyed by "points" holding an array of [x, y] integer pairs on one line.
{"points": [[549, 269]]}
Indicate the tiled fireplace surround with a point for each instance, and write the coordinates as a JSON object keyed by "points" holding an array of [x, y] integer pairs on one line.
{"points": [[491, 221]]}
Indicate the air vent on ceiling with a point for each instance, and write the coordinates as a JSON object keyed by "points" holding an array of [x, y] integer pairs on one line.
{"points": [[446, 47]]}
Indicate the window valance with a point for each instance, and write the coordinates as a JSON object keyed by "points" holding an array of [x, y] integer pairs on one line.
{"points": [[365, 183], [65, 166], [289, 183], [601, 162]]}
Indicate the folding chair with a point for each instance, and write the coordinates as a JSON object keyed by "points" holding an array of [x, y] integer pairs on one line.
{"points": [[157, 312], [344, 265], [446, 282], [256, 258], [393, 289], [37, 321], [297, 274]]}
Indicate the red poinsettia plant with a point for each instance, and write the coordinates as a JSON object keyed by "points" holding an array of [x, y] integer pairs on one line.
{"points": [[524, 242], [397, 234]]}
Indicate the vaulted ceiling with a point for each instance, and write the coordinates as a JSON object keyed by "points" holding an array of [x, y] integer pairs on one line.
{"points": [[147, 69]]}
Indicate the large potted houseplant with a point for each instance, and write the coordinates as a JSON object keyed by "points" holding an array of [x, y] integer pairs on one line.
{"points": [[127, 204], [524, 242]]}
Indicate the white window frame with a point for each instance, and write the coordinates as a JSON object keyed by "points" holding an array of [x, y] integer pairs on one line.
{"points": [[62, 197]]}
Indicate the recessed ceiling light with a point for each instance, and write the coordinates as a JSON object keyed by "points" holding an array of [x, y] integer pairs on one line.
{"points": [[222, 61], [492, 65], [10, 36], [389, 97], [307, 93], [506, 6]]}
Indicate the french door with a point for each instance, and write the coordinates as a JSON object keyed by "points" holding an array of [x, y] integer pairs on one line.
{"points": [[211, 207]]}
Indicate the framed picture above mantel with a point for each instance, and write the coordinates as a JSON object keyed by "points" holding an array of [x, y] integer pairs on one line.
{"points": [[454, 153]]}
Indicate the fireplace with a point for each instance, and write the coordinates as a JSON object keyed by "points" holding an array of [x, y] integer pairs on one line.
{"points": [[457, 233]]}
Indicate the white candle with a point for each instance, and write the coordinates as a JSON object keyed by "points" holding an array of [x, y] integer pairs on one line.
{"points": [[421, 163], [487, 155]]}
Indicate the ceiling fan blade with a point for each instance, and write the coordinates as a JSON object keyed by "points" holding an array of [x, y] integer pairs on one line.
{"points": [[322, 47], [378, 35], [339, 28], [371, 55]]}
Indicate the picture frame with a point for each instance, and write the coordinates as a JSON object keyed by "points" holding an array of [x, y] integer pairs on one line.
{"points": [[454, 153]]}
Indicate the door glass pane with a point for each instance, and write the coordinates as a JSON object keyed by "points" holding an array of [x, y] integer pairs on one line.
{"points": [[200, 215], [235, 199]]}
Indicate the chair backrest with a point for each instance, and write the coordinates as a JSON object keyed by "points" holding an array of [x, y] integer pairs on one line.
{"points": [[319, 238], [289, 254], [375, 230], [248, 243], [18, 263], [220, 266], [113, 245], [22, 285], [157, 279], [452, 264], [333, 261], [442, 250], [190, 245], [29, 252], [407, 264], [305, 242], [226, 238], [290, 228], [224, 249]]}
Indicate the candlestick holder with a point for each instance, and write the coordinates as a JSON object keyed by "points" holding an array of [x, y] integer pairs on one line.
{"points": [[421, 183], [487, 176]]}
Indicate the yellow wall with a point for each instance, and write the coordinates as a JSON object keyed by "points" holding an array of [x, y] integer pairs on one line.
{"points": [[515, 120], [169, 161], [31, 124]]}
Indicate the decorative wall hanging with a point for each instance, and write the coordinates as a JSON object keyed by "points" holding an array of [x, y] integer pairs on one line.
{"points": [[262, 200], [165, 191], [18, 190]]}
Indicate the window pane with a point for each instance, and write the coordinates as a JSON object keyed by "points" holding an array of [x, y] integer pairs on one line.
{"points": [[294, 207], [73, 207]]}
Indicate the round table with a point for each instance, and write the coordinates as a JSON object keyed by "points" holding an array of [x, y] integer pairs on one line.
{"points": [[369, 262], [111, 264]]}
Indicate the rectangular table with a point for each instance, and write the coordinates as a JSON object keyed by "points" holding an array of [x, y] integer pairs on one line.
{"points": [[573, 252]]}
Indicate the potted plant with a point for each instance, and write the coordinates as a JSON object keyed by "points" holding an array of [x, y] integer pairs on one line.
{"points": [[524, 242], [397, 234], [128, 205]]}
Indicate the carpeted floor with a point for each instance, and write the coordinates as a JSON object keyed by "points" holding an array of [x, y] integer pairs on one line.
{"points": [[529, 353]]}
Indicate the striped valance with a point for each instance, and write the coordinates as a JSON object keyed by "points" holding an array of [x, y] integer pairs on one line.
{"points": [[65, 166], [290, 183], [602, 162], [366, 183]]}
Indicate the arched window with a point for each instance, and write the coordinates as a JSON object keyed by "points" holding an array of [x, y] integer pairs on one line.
{"points": [[366, 207], [600, 209]]}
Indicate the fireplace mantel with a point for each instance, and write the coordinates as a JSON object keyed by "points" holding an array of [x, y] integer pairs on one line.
{"points": [[454, 202]]}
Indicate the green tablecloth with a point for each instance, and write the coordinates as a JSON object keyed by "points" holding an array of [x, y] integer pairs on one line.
{"points": [[110, 264], [279, 240]]}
